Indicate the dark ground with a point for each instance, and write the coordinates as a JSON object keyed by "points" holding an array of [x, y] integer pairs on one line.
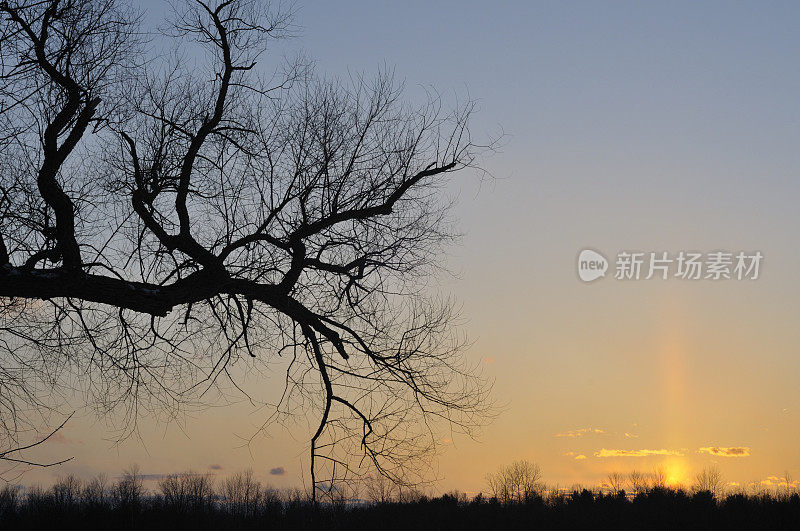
{"points": [[657, 509]]}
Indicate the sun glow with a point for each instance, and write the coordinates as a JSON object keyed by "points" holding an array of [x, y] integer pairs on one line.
{"points": [[677, 473]]}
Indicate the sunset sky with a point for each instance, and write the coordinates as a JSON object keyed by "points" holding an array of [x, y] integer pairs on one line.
{"points": [[629, 126]]}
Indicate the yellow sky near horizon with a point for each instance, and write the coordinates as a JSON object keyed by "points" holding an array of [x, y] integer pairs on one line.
{"points": [[582, 401]]}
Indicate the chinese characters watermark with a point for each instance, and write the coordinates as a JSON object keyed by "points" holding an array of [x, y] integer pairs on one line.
{"points": [[685, 265]]}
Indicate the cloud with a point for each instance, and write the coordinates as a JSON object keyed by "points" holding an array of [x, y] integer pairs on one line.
{"points": [[581, 432], [215, 467], [726, 451], [489, 360], [574, 455], [635, 453], [775, 481], [277, 471], [631, 435]]}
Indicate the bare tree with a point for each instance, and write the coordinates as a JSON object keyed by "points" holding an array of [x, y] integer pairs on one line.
{"points": [[128, 491], [639, 482], [242, 493], [188, 491], [410, 495], [9, 499], [66, 492], [163, 221], [380, 489], [788, 483], [615, 482], [516, 483], [95, 492], [709, 480], [659, 477]]}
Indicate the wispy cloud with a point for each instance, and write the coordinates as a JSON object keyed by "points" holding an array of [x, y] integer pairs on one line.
{"points": [[581, 432], [604, 452], [215, 467], [580, 457], [726, 451], [277, 471]]}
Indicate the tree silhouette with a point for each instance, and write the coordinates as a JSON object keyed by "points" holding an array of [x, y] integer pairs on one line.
{"points": [[639, 482], [709, 480], [615, 482], [163, 219], [516, 483]]}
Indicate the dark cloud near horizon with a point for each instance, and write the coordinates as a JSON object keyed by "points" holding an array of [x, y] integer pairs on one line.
{"points": [[215, 467], [277, 471]]}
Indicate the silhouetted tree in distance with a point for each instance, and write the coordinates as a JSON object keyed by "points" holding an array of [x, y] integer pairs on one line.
{"points": [[638, 481], [615, 482], [66, 506], [515, 483], [162, 220], [242, 492], [709, 480], [659, 478]]}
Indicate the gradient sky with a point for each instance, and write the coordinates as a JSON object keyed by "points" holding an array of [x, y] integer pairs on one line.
{"points": [[631, 125]]}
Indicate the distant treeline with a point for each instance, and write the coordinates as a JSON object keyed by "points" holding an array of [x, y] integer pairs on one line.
{"points": [[192, 501]]}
